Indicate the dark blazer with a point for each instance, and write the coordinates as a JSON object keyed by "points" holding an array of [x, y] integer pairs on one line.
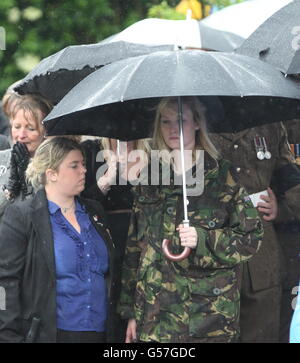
{"points": [[27, 270]]}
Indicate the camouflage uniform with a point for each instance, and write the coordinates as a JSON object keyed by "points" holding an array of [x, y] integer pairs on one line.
{"points": [[262, 275], [197, 299]]}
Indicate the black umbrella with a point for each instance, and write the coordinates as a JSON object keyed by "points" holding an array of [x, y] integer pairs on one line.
{"points": [[117, 100], [111, 101], [183, 33], [57, 74], [277, 40]]}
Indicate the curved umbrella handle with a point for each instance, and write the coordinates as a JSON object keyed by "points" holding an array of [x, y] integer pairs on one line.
{"points": [[170, 256]]}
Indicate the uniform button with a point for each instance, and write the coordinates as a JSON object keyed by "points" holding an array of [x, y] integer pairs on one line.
{"points": [[216, 291], [89, 280], [235, 146], [87, 255], [170, 210], [211, 224], [238, 170], [141, 199]]}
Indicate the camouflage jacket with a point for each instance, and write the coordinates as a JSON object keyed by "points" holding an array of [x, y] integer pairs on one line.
{"points": [[196, 299]]}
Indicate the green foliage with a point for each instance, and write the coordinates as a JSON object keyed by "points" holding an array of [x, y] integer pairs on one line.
{"points": [[36, 29], [164, 11], [220, 3]]}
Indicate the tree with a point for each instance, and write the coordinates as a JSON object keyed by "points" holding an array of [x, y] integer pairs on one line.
{"points": [[166, 9], [36, 29]]}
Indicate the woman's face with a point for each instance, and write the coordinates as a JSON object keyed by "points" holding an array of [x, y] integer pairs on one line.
{"points": [[69, 179], [169, 127], [26, 130]]}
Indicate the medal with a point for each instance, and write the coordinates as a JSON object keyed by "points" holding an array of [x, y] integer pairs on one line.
{"points": [[267, 153], [260, 155], [259, 148]]}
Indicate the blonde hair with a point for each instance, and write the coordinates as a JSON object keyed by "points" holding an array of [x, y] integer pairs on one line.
{"points": [[202, 140], [8, 101], [49, 155], [140, 144], [35, 105], [32, 103]]}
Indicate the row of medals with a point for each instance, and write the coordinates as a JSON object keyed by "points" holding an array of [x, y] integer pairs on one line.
{"points": [[261, 148]]}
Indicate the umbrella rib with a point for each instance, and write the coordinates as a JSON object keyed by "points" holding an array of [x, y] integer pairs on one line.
{"points": [[222, 65], [129, 78], [249, 71]]}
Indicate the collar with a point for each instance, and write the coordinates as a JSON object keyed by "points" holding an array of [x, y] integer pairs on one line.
{"points": [[53, 207]]}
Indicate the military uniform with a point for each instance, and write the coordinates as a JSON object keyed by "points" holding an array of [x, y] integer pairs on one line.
{"points": [[197, 299], [288, 232], [261, 277]]}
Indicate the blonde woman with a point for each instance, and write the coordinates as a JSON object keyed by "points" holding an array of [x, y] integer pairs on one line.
{"points": [[197, 299], [27, 132], [57, 259]]}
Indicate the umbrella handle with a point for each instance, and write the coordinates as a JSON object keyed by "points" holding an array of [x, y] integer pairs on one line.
{"points": [[170, 256]]}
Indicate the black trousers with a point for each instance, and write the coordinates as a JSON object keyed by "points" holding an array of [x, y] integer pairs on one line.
{"points": [[64, 336]]}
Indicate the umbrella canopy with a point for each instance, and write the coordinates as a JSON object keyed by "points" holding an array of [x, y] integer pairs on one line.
{"points": [[57, 74], [243, 18], [112, 101], [183, 33], [277, 40]]}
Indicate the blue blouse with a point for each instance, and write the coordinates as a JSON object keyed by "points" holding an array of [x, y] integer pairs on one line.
{"points": [[81, 262]]}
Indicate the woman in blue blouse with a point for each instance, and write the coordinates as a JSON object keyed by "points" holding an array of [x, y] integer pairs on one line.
{"points": [[56, 262]]}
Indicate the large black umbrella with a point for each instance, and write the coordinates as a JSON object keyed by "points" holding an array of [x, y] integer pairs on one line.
{"points": [[57, 74], [183, 33], [107, 102], [277, 40], [113, 101]]}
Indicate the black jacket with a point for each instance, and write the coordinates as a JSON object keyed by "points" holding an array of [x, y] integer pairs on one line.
{"points": [[27, 270]]}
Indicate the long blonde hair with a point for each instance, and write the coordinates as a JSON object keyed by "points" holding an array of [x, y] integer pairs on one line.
{"points": [[202, 140], [140, 144]]}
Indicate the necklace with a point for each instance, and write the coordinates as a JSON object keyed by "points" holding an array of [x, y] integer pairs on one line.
{"points": [[66, 209]]}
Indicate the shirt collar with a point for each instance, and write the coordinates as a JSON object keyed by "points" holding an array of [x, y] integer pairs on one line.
{"points": [[53, 207]]}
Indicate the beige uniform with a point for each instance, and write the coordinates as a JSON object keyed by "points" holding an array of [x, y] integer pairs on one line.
{"points": [[261, 276]]}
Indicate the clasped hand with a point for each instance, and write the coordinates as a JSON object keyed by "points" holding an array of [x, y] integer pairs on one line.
{"points": [[188, 236]]}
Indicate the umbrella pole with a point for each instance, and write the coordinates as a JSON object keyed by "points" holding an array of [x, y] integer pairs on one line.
{"points": [[165, 245], [180, 120]]}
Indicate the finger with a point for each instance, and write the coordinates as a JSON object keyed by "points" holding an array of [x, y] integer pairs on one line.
{"points": [[269, 217], [190, 243], [264, 205], [271, 193], [264, 210], [265, 198], [21, 152]]}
